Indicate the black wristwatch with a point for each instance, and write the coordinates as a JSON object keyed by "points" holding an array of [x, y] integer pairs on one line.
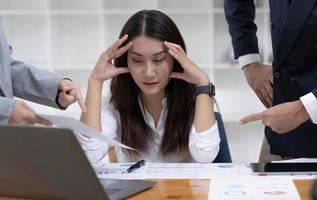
{"points": [[206, 89]]}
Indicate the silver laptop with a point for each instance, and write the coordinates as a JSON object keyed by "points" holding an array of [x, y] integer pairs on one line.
{"points": [[48, 163]]}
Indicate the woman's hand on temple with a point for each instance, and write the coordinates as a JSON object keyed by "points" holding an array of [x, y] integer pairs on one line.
{"points": [[192, 73], [104, 68]]}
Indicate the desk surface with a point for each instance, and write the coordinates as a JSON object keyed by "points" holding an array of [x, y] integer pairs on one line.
{"points": [[198, 189], [194, 189]]}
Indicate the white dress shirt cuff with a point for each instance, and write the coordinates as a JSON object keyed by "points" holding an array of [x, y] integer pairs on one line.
{"points": [[96, 150], [248, 59], [310, 103]]}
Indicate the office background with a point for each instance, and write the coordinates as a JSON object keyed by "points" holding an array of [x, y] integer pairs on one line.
{"points": [[67, 37]]}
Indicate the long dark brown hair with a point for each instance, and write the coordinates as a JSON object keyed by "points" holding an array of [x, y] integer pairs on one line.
{"points": [[180, 97]]}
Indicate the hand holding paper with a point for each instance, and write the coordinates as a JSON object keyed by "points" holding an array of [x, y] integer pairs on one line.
{"points": [[80, 128]]}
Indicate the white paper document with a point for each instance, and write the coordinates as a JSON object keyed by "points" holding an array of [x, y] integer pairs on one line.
{"points": [[248, 187], [80, 128], [194, 170], [171, 170], [119, 171], [176, 171], [215, 169]]}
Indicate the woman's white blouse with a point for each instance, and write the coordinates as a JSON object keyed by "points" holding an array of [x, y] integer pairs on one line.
{"points": [[203, 147]]}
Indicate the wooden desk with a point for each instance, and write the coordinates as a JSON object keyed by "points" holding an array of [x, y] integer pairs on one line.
{"points": [[198, 189], [194, 189]]}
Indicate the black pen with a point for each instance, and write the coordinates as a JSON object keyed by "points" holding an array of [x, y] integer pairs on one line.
{"points": [[136, 166]]}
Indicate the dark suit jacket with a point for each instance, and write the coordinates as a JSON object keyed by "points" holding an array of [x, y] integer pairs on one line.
{"points": [[294, 41]]}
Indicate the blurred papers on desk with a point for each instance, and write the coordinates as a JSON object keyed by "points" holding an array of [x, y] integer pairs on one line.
{"points": [[171, 170], [252, 187], [119, 171], [193, 170]]}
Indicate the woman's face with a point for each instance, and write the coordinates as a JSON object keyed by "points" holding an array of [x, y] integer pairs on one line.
{"points": [[150, 65]]}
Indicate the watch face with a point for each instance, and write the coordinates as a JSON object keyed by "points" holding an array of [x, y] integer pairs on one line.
{"points": [[213, 89]]}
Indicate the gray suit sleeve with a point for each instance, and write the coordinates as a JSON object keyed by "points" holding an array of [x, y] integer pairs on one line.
{"points": [[33, 84], [6, 107]]}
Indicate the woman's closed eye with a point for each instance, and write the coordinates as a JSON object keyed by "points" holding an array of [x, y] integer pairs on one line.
{"points": [[137, 60], [158, 60]]}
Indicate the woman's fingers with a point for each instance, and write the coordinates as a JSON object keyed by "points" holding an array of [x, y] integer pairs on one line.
{"points": [[177, 52], [171, 47], [122, 50], [192, 73], [173, 51], [175, 55], [118, 42], [111, 51], [176, 46]]}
